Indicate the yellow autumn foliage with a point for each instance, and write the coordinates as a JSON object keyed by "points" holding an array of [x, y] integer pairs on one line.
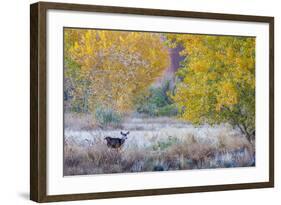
{"points": [[217, 79], [114, 66]]}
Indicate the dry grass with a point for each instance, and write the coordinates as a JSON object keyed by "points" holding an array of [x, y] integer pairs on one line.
{"points": [[159, 148], [76, 121]]}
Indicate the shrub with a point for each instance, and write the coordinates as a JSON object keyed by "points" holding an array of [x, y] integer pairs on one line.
{"points": [[168, 110], [108, 117], [156, 102], [147, 108]]}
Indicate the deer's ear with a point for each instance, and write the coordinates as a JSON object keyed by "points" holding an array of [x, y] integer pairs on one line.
{"points": [[121, 133], [128, 133]]}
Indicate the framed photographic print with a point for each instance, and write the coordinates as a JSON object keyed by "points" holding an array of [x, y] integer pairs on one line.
{"points": [[134, 102]]}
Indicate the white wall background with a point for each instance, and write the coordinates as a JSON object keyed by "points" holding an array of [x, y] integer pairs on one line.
{"points": [[14, 101]]}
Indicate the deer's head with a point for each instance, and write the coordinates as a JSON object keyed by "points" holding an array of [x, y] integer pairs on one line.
{"points": [[124, 134]]}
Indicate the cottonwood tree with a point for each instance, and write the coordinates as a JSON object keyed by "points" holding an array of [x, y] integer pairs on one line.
{"points": [[110, 68], [217, 80]]}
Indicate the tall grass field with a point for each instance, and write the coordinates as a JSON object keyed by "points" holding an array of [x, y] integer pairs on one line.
{"points": [[158, 144]]}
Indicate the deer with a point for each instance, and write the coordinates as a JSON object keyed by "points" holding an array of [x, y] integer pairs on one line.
{"points": [[115, 142]]}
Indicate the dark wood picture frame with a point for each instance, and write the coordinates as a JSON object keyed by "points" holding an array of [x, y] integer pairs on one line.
{"points": [[38, 101]]}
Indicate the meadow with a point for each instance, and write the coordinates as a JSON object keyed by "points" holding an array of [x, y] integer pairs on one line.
{"points": [[154, 144], [186, 100]]}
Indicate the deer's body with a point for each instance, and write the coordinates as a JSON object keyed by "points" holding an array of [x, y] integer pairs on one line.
{"points": [[115, 142]]}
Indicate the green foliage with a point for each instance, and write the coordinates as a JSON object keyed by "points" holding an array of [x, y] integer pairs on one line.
{"points": [[168, 110], [107, 117], [156, 102]]}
